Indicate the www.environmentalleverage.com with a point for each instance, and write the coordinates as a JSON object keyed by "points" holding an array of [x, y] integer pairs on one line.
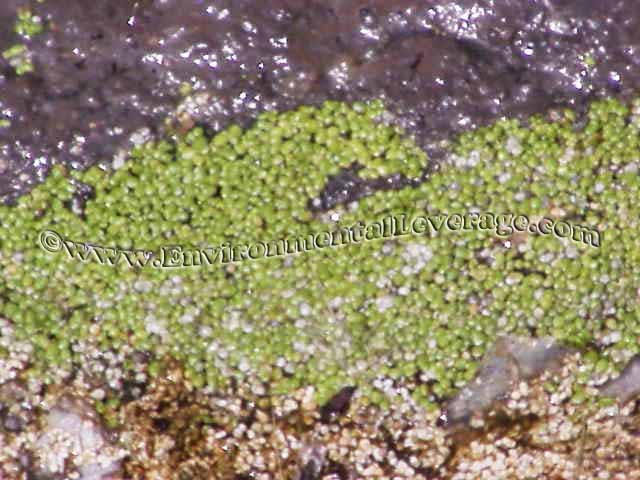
{"points": [[391, 226]]}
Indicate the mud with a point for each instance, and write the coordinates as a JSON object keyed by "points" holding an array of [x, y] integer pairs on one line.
{"points": [[108, 73]]}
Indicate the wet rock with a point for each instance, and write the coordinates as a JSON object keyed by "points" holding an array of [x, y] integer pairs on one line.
{"points": [[534, 356], [626, 386], [105, 70], [497, 375], [347, 186], [511, 360]]}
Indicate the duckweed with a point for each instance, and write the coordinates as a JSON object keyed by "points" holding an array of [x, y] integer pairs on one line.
{"points": [[19, 58], [28, 25], [415, 305]]}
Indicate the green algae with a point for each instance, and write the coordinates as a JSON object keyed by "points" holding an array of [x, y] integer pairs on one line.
{"points": [[428, 305]]}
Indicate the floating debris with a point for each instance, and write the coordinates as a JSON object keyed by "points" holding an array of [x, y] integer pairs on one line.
{"points": [[337, 405]]}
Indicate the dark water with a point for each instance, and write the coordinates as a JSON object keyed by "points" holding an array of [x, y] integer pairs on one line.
{"points": [[106, 69]]}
